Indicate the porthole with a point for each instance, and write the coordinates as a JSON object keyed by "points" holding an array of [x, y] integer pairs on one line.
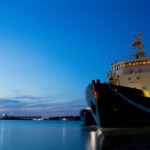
{"points": [[138, 78], [129, 78]]}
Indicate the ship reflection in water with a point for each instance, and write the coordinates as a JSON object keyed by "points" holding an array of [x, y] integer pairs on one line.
{"points": [[95, 140]]}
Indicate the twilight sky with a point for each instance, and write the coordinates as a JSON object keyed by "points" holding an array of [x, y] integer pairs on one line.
{"points": [[50, 50]]}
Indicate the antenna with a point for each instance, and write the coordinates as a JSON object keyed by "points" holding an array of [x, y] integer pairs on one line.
{"points": [[138, 44]]}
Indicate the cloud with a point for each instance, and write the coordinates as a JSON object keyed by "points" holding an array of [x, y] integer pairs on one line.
{"points": [[4, 101], [25, 105], [27, 97], [9, 103]]}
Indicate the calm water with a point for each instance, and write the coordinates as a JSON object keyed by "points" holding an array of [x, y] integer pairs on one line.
{"points": [[48, 135]]}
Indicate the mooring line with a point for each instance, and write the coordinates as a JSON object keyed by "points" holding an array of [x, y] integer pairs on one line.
{"points": [[130, 101]]}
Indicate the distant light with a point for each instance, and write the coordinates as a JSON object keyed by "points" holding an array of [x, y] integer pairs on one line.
{"points": [[37, 119], [63, 119], [4, 115], [87, 108]]}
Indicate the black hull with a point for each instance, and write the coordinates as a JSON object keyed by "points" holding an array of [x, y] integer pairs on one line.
{"points": [[86, 117], [119, 106]]}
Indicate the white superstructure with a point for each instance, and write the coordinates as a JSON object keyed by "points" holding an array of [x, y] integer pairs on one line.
{"points": [[133, 73]]}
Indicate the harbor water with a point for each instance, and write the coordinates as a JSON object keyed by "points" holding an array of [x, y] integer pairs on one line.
{"points": [[48, 135]]}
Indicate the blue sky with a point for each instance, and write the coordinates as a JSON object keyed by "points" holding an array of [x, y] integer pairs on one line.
{"points": [[51, 50]]}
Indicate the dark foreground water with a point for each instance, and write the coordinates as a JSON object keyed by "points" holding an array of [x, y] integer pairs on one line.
{"points": [[48, 135]]}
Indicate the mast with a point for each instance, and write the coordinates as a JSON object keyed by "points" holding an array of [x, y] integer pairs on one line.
{"points": [[138, 44]]}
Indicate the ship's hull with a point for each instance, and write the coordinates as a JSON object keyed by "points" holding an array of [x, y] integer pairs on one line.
{"points": [[118, 106], [87, 117]]}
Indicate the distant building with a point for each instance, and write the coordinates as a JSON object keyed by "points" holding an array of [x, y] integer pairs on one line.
{"points": [[4, 115]]}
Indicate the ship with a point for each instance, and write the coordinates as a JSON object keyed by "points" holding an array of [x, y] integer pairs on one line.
{"points": [[87, 117], [123, 101]]}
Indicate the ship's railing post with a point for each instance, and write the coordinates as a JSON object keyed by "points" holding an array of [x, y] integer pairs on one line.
{"points": [[93, 81], [98, 81]]}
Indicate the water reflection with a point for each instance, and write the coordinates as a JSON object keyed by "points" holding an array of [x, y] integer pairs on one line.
{"points": [[94, 138], [95, 141], [2, 128], [92, 141], [46, 135], [63, 135]]}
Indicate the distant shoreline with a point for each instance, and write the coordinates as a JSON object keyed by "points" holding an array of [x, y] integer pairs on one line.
{"points": [[73, 118]]}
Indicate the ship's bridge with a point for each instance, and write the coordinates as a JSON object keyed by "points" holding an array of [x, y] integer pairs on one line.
{"points": [[133, 73], [136, 65]]}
